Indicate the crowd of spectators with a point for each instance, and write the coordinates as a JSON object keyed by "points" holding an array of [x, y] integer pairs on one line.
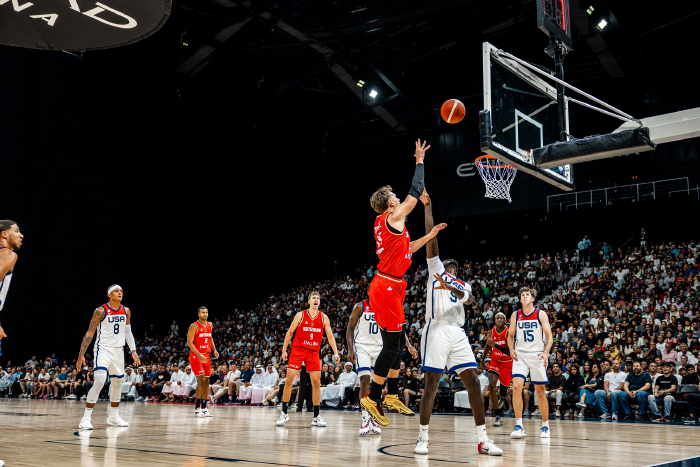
{"points": [[637, 308]]}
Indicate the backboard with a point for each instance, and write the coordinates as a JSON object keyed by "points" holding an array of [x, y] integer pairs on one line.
{"points": [[520, 114]]}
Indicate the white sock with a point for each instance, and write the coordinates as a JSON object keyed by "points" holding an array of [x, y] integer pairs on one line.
{"points": [[423, 432], [481, 432], [113, 411], [545, 424], [519, 421], [88, 413]]}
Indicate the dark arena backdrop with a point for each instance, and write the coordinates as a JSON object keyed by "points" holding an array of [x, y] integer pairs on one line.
{"points": [[232, 155]]}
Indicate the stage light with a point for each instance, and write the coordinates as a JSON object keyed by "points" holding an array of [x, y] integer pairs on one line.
{"points": [[360, 83], [373, 94], [602, 24], [590, 10]]}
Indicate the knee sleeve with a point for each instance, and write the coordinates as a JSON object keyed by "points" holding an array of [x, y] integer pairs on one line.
{"points": [[115, 390], [390, 356], [100, 378]]}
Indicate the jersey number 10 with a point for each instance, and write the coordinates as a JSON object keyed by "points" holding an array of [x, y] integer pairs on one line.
{"points": [[373, 328]]}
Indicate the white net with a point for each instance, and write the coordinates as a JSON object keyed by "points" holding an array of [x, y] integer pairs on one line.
{"points": [[497, 176]]}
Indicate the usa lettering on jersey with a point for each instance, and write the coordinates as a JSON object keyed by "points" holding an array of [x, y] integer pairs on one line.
{"points": [[529, 335], [367, 331], [111, 330]]}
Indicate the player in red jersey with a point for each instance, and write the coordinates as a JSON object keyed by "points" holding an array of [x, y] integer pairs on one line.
{"points": [[501, 364], [201, 344], [307, 327], [388, 289]]}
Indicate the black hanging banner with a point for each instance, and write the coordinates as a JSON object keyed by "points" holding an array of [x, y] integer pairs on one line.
{"points": [[79, 24]]}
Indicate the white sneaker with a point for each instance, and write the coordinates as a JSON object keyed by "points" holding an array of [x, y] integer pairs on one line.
{"points": [[557, 414], [2, 463], [544, 432], [536, 413], [518, 432], [207, 413], [422, 446], [489, 448], [364, 429], [85, 424], [140, 399], [374, 427], [614, 416], [117, 421], [83, 398], [283, 418], [580, 415], [498, 421], [318, 421], [199, 414]]}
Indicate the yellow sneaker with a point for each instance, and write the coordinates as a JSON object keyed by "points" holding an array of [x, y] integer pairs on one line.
{"points": [[392, 402], [375, 411]]}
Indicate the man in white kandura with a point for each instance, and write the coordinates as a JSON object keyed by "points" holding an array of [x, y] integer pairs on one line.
{"points": [[444, 344], [529, 340], [112, 321]]}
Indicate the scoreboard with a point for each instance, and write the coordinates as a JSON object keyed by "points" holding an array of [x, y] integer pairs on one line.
{"points": [[553, 19]]}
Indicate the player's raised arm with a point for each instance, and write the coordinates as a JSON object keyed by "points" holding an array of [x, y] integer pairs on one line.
{"points": [[544, 319], [331, 339], [350, 332], [290, 333], [97, 316], [130, 341], [398, 216], [191, 331], [432, 247], [511, 336]]}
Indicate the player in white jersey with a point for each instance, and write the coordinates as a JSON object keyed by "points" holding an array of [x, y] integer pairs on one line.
{"points": [[112, 322], [10, 241], [529, 341], [444, 344], [365, 344]]}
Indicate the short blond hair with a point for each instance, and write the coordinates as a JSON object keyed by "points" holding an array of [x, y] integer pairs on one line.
{"points": [[380, 199], [314, 293], [532, 291]]}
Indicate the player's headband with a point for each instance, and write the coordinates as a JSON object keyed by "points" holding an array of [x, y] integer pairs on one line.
{"points": [[113, 288]]}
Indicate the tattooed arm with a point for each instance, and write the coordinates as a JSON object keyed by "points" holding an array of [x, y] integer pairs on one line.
{"points": [[97, 316]]}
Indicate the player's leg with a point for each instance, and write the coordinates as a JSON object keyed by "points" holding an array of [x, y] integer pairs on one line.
{"points": [[476, 401], [392, 400], [205, 386], [364, 364], [114, 398], [287, 393], [538, 375], [518, 383], [431, 379], [315, 377], [99, 381], [387, 359], [493, 395]]}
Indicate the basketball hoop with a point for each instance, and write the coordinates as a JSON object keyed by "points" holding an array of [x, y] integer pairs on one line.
{"points": [[497, 176]]}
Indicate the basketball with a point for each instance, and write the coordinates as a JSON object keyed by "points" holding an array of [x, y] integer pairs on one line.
{"points": [[452, 111]]}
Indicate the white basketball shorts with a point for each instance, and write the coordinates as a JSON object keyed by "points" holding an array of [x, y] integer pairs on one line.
{"points": [[110, 359], [446, 345], [366, 356], [530, 362]]}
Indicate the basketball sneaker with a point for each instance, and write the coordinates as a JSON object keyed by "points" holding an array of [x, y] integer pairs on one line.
{"points": [[85, 424], [487, 447], [422, 446], [544, 432], [198, 413], [283, 418], [392, 402], [557, 414], [207, 413], [518, 432], [318, 421], [374, 427], [374, 410], [117, 421], [364, 429], [536, 413], [498, 421], [581, 405]]}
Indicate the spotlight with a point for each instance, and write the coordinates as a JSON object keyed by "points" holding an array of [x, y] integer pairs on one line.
{"points": [[590, 10], [602, 24], [373, 93], [360, 83]]}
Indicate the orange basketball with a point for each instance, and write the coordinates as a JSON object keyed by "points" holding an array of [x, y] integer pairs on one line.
{"points": [[452, 111]]}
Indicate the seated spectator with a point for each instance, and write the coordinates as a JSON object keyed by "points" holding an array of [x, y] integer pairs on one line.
{"points": [[593, 383], [234, 374], [410, 385], [274, 392], [612, 383], [573, 386], [244, 380], [555, 389], [169, 386], [186, 385], [343, 389], [664, 389], [246, 390], [637, 387], [693, 407], [132, 393], [527, 393], [262, 386]]}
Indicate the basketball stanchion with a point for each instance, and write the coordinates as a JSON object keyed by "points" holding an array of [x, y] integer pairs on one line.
{"points": [[497, 176]]}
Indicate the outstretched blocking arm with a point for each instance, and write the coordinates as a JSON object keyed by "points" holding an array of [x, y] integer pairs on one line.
{"points": [[432, 247], [331, 339], [191, 331], [398, 216], [290, 333], [130, 341], [350, 332], [97, 316]]}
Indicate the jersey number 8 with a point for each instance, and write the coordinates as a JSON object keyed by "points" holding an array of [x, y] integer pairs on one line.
{"points": [[116, 329]]}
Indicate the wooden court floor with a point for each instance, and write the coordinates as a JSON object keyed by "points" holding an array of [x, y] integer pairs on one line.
{"points": [[44, 433]]}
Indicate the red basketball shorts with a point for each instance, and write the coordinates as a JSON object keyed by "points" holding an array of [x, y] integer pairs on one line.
{"points": [[503, 370], [199, 368], [309, 357], [386, 296]]}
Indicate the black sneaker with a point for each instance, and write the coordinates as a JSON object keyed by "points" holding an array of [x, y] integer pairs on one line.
{"points": [[628, 417]]}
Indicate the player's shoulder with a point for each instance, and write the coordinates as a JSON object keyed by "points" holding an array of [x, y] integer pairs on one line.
{"points": [[8, 253]]}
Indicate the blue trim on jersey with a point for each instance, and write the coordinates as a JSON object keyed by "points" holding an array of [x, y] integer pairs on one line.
{"points": [[116, 311], [433, 369], [115, 376], [527, 316], [463, 365], [540, 383], [101, 368], [364, 368], [517, 375], [425, 350]]}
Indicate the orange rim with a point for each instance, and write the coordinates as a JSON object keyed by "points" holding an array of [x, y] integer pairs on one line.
{"points": [[486, 156]]}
